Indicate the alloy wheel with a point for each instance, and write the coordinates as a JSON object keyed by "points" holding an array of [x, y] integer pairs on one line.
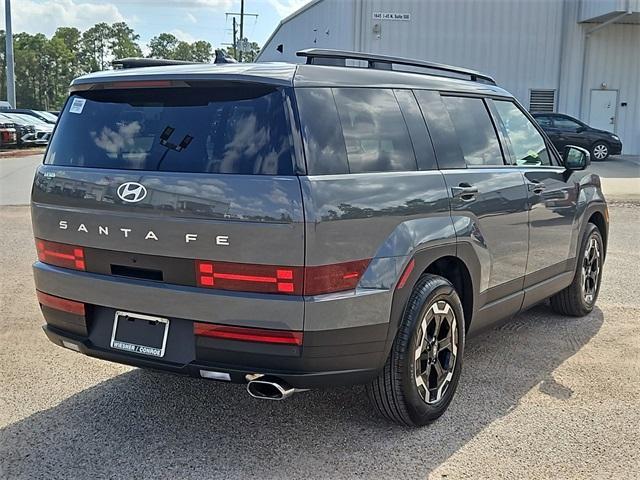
{"points": [[436, 351], [590, 270], [600, 151]]}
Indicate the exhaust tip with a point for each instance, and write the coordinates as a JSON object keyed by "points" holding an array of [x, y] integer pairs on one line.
{"points": [[265, 389]]}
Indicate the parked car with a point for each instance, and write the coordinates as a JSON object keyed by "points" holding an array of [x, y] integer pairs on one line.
{"points": [[564, 130], [8, 135], [25, 132], [32, 131], [40, 114], [332, 225]]}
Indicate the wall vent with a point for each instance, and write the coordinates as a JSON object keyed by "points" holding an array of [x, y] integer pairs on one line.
{"points": [[542, 101]]}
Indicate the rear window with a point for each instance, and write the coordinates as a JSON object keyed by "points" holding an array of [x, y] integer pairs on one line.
{"points": [[239, 130]]}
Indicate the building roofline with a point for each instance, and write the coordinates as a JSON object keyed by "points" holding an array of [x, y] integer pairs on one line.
{"points": [[287, 19]]}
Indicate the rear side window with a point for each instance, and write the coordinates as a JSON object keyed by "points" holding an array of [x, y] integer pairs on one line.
{"points": [[527, 145], [239, 130], [374, 130], [474, 129]]}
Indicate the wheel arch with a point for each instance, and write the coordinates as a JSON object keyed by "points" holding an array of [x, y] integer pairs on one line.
{"points": [[599, 220], [453, 262]]}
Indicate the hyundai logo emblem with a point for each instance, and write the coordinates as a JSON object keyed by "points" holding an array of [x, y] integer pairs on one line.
{"points": [[131, 192]]}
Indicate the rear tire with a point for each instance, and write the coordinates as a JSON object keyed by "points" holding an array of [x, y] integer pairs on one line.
{"points": [[578, 299], [422, 371], [600, 151]]}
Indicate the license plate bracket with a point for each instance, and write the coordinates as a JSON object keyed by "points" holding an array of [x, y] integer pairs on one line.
{"points": [[140, 334]]}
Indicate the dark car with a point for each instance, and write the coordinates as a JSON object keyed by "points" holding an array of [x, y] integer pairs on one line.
{"points": [[564, 130], [289, 227]]}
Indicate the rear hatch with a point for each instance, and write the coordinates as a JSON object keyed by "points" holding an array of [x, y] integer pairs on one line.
{"points": [[189, 185]]}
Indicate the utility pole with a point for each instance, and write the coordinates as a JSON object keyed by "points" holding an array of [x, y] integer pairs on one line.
{"points": [[240, 39], [11, 78], [235, 39], [241, 26]]}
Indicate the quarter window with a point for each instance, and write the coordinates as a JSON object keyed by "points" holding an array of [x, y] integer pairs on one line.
{"points": [[475, 131], [374, 130], [527, 144], [323, 142]]}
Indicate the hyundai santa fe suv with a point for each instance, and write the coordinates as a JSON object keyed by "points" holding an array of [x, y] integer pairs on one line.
{"points": [[290, 227]]}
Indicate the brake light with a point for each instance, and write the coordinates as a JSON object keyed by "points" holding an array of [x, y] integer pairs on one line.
{"points": [[62, 304], [141, 84], [247, 334], [249, 278], [278, 279], [60, 254]]}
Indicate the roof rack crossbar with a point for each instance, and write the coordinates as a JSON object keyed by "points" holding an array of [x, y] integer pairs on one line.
{"points": [[313, 55]]}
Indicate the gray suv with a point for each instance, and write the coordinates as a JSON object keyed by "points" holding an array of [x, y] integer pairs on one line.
{"points": [[290, 227]]}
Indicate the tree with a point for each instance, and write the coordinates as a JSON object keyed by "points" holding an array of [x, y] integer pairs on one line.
{"points": [[46, 66], [163, 46], [123, 42], [181, 52], [201, 51], [95, 47]]}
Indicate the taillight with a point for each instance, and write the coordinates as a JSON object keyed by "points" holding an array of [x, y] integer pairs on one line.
{"points": [[247, 334], [60, 254], [279, 279], [249, 278], [62, 304]]}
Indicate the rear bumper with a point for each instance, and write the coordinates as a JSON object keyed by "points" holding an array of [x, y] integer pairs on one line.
{"points": [[335, 374], [336, 352]]}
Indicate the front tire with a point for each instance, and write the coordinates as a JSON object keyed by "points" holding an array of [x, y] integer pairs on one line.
{"points": [[422, 371], [600, 151], [578, 299]]}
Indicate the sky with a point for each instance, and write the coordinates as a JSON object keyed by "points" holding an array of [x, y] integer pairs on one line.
{"points": [[188, 20]]}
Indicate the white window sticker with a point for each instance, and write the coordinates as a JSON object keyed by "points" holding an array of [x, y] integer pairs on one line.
{"points": [[77, 105]]}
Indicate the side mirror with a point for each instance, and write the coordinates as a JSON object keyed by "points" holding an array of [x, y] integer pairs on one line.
{"points": [[576, 158], [580, 129]]}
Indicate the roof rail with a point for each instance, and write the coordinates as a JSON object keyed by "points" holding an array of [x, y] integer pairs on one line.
{"points": [[321, 56]]}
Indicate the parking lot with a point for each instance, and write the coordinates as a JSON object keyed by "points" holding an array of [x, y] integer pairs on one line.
{"points": [[543, 396]]}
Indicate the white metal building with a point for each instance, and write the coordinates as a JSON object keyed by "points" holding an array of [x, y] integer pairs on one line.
{"points": [[580, 57]]}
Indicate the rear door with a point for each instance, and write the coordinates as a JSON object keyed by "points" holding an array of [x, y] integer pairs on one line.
{"points": [[488, 198], [151, 179]]}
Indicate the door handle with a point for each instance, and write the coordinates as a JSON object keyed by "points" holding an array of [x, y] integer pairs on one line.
{"points": [[464, 191], [536, 187]]}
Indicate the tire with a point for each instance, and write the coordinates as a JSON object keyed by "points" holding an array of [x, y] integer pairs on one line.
{"points": [[600, 151], [578, 299], [398, 393]]}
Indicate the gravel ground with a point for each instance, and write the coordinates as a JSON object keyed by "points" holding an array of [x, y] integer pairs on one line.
{"points": [[541, 397]]}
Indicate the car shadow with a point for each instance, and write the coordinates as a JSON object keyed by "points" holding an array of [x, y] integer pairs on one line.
{"points": [[144, 423]]}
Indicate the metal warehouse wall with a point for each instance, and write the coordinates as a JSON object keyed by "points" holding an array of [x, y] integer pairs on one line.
{"points": [[517, 42], [613, 59], [323, 24], [524, 44]]}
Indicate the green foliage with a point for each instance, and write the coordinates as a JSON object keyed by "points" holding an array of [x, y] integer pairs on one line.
{"points": [[44, 67], [167, 45]]}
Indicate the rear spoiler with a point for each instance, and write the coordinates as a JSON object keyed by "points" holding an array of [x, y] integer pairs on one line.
{"points": [[140, 62]]}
